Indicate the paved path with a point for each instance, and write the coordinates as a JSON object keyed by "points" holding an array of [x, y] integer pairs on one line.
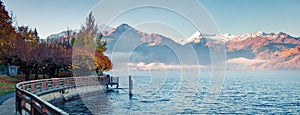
{"points": [[4, 97], [8, 107], [7, 104]]}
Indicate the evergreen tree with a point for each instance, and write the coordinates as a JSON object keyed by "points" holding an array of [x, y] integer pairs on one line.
{"points": [[87, 34], [24, 32], [7, 31], [87, 41], [36, 35]]}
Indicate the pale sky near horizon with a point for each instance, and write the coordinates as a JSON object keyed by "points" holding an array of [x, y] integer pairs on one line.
{"points": [[231, 16]]}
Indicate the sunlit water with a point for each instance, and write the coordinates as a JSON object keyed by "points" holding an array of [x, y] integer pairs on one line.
{"points": [[173, 92]]}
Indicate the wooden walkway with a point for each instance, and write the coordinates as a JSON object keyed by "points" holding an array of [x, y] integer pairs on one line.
{"points": [[32, 96]]}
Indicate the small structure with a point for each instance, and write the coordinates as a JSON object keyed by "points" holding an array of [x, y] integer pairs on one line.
{"points": [[113, 81], [13, 70], [109, 80]]}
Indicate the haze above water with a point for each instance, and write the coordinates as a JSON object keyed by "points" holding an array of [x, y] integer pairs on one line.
{"points": [[170, 93]]}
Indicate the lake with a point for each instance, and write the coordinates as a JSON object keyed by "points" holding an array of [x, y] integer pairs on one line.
{"points": [[190, 92]]}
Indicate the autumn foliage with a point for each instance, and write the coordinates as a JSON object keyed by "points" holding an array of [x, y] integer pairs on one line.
{"points": [[20, 46], [88, 49]]}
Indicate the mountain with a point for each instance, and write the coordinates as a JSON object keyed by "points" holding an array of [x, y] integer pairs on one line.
{"points": [[62, 37], [286, 59], [257, 50], [148, 48], [269, 47]]}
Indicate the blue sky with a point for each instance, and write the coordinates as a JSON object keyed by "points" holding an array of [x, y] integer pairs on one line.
{"points": [[50, 16], [231, 16], [238, 16]]}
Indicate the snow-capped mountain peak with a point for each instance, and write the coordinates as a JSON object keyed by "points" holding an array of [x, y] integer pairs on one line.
{"points": [[196, 38], [223, 38], [195, 35]]}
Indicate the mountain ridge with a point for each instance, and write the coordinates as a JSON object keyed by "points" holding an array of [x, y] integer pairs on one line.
{"points": [[254, 47]]}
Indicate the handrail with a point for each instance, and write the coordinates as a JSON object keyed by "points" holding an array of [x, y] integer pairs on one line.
{"points": [[28, 92]]}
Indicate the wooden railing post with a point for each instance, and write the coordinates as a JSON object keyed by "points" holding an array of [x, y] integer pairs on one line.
{"points": [[130, 86]]}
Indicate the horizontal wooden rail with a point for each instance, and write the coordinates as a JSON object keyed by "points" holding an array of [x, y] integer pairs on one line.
{"points": [[28, 93]]}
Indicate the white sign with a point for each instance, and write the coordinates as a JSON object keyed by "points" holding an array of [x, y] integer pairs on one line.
{"points": [[13, 70]]}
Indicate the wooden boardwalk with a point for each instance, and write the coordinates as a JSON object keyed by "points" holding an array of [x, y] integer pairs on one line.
{"points": [[32, 96]]}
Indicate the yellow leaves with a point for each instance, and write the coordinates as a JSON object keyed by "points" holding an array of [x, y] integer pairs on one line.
{"points": [[102, 62], [88, 48], [27, 34], [82, 58], [89, 59]]}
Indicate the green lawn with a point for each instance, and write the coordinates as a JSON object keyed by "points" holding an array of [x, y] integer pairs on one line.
{"points": [[7, 84]]}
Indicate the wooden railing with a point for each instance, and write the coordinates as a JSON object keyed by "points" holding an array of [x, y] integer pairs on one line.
{"points": [[28, 100]]}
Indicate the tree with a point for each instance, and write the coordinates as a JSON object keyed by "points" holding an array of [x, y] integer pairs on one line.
{"points": [[88, 33], [26, 33], [31, 56], [20, 54], [102, 63], [88, 49], [20, 47], [37, 57], [7, 31], [36, 35]]}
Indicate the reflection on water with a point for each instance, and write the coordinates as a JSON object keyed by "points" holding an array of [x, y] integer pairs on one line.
{"points": [[169, 92]]}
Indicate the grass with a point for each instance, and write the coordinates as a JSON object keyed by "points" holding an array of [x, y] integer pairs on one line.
{"points": [[7, 84], [22, 76]]}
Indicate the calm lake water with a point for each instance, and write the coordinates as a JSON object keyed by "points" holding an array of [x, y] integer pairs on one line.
{"points": [[175, 92]]}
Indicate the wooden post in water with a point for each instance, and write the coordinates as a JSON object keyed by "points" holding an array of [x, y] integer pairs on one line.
{"points": [[130, 86]]}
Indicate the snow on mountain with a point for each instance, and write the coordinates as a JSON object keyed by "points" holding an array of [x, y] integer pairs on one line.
{"points": [[255, 50], [223, 38], [196, 38], [62, 36]]}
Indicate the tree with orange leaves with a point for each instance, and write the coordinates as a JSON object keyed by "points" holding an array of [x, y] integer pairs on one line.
{"points": [[21, 47], [88, 50]]}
